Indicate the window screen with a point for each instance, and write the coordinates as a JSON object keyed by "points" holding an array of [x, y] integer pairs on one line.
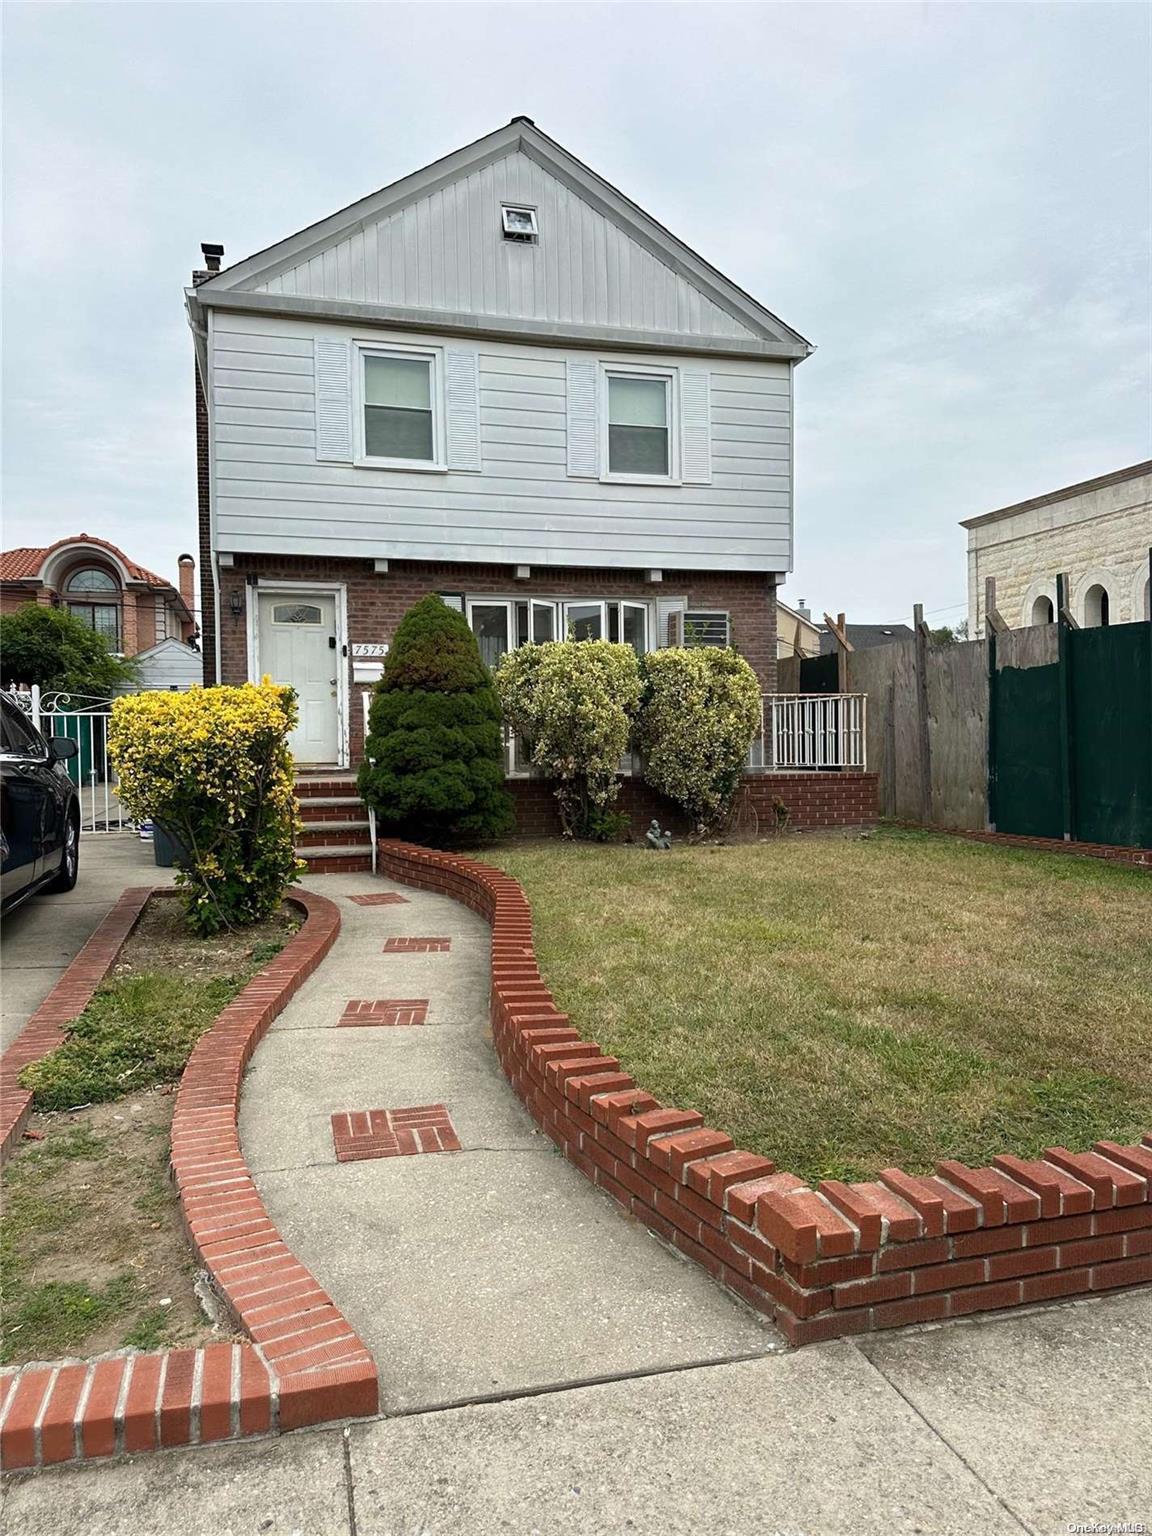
{"points": [[637, 426], [398, 408]]}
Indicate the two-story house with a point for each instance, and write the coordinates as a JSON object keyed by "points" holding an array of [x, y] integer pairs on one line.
{"points": [[500, 380]]}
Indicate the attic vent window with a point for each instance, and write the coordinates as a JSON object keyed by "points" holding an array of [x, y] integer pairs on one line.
{"points": [[519, 223]]}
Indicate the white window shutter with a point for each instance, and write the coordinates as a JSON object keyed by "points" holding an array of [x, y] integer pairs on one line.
{"points": [[462, 396], [333, 400], [696, 426], [670, 621], [583, 418]]}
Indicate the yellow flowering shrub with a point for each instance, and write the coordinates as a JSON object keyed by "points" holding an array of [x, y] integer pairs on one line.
{"points": [[700, 713], [212, 769], [572, 703]]}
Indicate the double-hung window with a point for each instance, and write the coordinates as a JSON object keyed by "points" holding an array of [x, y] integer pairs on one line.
{"points": [[399, 391], [639, 425]]}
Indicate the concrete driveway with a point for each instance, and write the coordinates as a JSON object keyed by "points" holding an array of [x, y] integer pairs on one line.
{"points": [[41, 938]]}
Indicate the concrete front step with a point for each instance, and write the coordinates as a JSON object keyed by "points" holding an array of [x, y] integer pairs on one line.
{"points": [[320, 834], [339, 812], [336, 859], [311, 786]]}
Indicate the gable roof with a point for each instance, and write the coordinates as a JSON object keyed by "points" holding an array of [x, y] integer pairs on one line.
{"points": [[865, 637], [27, 562], [365, 261]]}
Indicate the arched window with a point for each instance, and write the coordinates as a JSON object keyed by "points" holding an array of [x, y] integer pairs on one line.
{"points": [[1042, 611], [1095, 606], [93, 579], [94, 599]]}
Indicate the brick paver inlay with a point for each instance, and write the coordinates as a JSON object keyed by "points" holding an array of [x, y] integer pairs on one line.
{"points": [[416, 946], [380, 899], [366, 1011], [362, 1133]]}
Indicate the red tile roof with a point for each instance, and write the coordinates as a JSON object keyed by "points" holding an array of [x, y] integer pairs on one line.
{"points": [[25, 564]]}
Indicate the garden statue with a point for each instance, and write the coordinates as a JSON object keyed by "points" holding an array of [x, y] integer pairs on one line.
{"points": [[657, 839]]}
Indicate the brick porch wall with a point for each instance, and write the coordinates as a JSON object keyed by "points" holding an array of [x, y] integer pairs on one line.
{"points": [[378, 601], [812, 799]]}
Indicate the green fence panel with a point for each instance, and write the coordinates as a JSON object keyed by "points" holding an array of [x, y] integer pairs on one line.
{"points": [[820, 674], [1112, 733], [1026, 761]]}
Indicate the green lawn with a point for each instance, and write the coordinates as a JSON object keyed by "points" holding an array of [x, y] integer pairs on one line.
{"points": [[843, 1004]]}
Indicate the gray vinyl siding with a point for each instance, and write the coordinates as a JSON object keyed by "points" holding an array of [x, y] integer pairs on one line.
{"points": [[446, 251], [169, 664], [271, 495]]}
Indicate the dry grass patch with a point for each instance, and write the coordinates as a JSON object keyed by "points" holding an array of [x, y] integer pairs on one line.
{"points": [[92, 1252], [843, 1004]]}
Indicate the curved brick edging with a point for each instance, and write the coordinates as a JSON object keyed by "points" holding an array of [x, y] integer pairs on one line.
{"points": [[321, 1369], [838, 1259], [305, 1364]]}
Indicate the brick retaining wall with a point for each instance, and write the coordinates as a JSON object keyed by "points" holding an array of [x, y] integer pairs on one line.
{"points": [[837, 1259], [305, 1364]]}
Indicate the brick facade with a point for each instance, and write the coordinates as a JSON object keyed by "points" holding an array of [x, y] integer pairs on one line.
{"points": [[377, 601]]}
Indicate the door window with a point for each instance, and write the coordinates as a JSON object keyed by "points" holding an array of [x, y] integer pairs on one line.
{"points": [[297, 613], [585, 621], [490, 625]]}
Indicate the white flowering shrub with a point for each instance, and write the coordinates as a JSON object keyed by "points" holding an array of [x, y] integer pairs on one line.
{"points": [[700, 713], [572, 704]]}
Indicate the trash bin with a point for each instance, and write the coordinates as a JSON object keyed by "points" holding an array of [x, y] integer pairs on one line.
{"points": [[167, 849]]}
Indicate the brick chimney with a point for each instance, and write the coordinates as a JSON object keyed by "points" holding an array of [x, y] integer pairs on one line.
{"points": [[187, 579]]}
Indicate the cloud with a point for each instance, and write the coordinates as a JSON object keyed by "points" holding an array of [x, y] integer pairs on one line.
{"points": [[951, 200]]}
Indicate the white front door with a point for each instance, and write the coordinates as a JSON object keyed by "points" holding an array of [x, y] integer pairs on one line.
{"points": [[299, 646]]}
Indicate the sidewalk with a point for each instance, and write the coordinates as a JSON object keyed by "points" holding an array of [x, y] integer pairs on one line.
{"points": [[44, 935], [548, 1367], [990, 1427]]}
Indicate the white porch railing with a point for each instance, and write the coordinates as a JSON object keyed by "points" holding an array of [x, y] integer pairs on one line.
{"points": [[83, 720], [816, 730], [800, 731]]}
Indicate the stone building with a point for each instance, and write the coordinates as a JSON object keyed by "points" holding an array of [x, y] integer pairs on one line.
{"points": [[1097, 533]]}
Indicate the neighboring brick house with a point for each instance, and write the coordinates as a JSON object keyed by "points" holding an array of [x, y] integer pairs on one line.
{"points": [[500, 380], [1097, 533], [133, 608]]}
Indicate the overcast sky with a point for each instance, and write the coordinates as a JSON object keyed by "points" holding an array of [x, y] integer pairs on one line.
{"points": [[951, 202]]}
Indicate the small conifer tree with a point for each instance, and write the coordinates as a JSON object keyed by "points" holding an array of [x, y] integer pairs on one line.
{"points": [[434, 759]]}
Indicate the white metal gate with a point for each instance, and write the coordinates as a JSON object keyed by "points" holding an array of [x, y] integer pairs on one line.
{"points": [[84, 720]]}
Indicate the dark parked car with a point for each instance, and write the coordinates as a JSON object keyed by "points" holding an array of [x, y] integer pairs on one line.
{"points": [[39, 809]]}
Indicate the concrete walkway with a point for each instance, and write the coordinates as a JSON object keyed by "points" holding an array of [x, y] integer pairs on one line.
{"points": [[497, 1272], [488, 1271], [41, 938]]}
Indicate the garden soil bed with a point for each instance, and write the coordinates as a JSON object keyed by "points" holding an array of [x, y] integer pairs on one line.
{"points": [[93, 1256]]}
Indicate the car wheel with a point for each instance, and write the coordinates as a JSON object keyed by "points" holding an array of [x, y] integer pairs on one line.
{"points": [[69, 858]]}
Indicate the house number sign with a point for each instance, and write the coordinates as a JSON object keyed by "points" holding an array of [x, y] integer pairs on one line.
{"points": [[376, 648]]}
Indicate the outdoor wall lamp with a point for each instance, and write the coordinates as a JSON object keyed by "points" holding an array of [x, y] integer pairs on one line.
{"points": [[236, 604]]}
